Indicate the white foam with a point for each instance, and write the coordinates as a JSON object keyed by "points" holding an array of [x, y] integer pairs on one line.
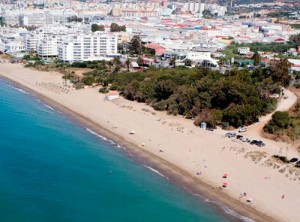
{"points": [[156, 171], [49, 107], [229, 211], [96, 134], [19, 89]]}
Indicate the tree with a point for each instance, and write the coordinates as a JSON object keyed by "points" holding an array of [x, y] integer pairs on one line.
{"points": [[135, 45], [74, 19], [188, 62], [128, 62], [164, 89], [140, 61], [95, 28], [173, 61], [279, 72], [257, 59], [114, 27]]}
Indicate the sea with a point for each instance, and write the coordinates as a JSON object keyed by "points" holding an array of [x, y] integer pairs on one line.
{"points": [[54, 169]]}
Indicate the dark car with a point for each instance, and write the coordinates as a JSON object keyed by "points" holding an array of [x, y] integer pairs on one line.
{"points": [[260, 143], [239, 137], [256, 120], [253, 142], [293, 160]]}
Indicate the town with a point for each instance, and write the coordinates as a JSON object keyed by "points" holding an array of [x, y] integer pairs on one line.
{"points": [[169, 33]]}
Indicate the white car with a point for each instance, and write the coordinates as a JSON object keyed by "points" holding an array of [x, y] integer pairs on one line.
{"points": [[243, 129]]}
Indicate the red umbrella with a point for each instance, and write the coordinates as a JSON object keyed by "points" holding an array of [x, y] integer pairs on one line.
{"points": [[225, 184], [225, 175]]}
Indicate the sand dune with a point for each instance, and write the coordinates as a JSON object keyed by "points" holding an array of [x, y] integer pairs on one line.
{"points": [[175, 142]]}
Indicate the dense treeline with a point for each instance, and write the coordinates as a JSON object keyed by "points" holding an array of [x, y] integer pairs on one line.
{"points": [[236, 98]]}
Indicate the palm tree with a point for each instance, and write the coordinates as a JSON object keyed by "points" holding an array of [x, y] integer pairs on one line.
{"points": [[128, 62]]}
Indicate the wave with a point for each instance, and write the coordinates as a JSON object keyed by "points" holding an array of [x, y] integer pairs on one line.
{"points": [[103, 137], [19, 89], [49, 107], [227, 210], [156, 171], [96, 134]]}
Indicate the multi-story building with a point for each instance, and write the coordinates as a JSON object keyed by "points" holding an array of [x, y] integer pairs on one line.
{"points": [[48, 47], [86, 47]]}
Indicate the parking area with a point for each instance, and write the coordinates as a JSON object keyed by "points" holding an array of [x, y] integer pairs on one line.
{"points": [[244, 139]]}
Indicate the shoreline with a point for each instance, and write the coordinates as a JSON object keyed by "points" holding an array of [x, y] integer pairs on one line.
{"points": [[179, 176], [175, 175]]}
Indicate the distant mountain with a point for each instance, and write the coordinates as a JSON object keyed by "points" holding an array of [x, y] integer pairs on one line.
{"points": [[224, 2]]}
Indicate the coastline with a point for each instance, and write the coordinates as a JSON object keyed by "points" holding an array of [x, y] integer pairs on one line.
{"points": [[174, 174], [178, 176]]}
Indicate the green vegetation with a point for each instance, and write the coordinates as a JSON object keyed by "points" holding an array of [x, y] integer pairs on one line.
{"points": [[295, 26], [116, 28], [74, 19], [236, 98], [294, 41], [278, 14], [279, 121], [95, 28], [282, 158], [135, 45], [2, 23], [285, 123]]}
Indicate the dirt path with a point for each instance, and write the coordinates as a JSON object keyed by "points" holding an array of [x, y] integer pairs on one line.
{"points": [[283, 105]]}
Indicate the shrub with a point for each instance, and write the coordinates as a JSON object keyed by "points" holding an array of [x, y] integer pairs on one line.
{"points": [[279, 121], [104, 90], [282, 158]]}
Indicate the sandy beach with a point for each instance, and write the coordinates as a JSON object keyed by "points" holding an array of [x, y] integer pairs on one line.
{"points": [[192, 157]]}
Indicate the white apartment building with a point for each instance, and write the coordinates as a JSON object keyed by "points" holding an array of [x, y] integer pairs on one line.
{"points": [[243, 50], [138, 13], [31, 43], [48, 47], [87, 47]]}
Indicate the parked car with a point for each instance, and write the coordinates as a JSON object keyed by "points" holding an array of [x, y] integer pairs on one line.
{"points": [[243, 129], [244, 139], [239, 137], [253, 142], [230, 134], [293, 160], [260, 143]]}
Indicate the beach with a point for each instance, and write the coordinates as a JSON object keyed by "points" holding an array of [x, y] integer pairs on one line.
{"points": [[191, 157]]}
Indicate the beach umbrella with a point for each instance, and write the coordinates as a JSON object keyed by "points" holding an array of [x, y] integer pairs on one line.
{"points": [[249, 200], [225, 184], [225, 175]]}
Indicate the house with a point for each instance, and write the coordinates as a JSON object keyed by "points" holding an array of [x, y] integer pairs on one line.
{"points": [[280, 40], [243, 63], [295, 64], [243, 50], [159, 50]]}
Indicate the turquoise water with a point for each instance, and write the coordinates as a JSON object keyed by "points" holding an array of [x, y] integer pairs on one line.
{"points": [[52, 169]]}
